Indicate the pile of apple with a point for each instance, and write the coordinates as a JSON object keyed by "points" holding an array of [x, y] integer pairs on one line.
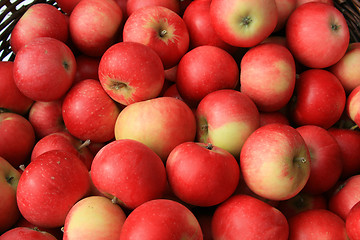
{"points": [[168, 119]]}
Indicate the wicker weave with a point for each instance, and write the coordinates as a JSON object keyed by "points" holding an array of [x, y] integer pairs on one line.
{"points": [[12, 10]]}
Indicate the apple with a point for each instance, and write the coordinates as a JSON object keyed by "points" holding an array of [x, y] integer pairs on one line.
{"points": [[330, 42], [25, 233], [161, 124], [202, 174], [89, 113], [94, 26], [44, 69], [197, 19], [11, 98], [131, 72], [203, 70], [268, 76], [86, 68], [325, 154], [161, 219], [275, 162], [133, 5], [17, 138], [94, 217], [160, 28], [273, 117], [319, 99], [56, 232], [345, 196], [347, 69], [129, 172], [317, 224], [9, 178], [285, 8], [349, 142], [243, 23], [39, 20], [46, 117], [51, 184], [247, 217], [66, 142], [352, 107], [352, 222], [300, 2], [302, 202], [172, 91], [226, 118]]}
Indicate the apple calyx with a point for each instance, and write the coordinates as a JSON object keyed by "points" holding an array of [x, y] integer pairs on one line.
{"points": [[245, 21], [209, 146], [9, 179], [66, 65], [299, 161]]}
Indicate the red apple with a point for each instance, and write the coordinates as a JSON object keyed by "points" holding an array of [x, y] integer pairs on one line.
{"points": [[325, 154], [285, 8], [89, 113], [161, 219], [275, 162], [247, 217], [243, 23], [268, 76], [17, 138], [352, 222], [352, 107], [172, 91], [94, 217], [46, 118], [131, 72], [130, 172], [9, 178], [201, 32], [86, 68], [39, 20], [44, 69], [51, 184], [161, 124], [133, 5], [202, 174], [56, 232], [317, 224], [317, 34], [226, 118], [10, 96], [25, 233], [161, 29], [300, 2], [203, 70], [94, 25], [319, 99], [273, 117]]}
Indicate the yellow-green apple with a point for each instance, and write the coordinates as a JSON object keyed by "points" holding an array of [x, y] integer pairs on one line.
{"points": [[44, 69], [349, 142], [11, 99], [89, 113], [275, 162], [46, 117], [325, 154], [201, 32], [330, 42], [25, 233], [317, 224], [285, 8], [66, 142], [129, 172], [51, 184], [39, 20], [243, 23], [9, 178], [345, 196], [131, 72], [248, 218], [161, 29], [352, 222], [94, 217], [17, 138], [319, 99], [202, 174], [86, 68], [161, 219], [203, 70], [161, 123], [94, 25], [226, 118], [273, 117], [300, 2], [302, 202], [133, 5], [268, 76]]}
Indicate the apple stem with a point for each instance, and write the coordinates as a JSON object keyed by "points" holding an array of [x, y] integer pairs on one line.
{"points": [[354, 127], [22, 167], [209, 146], [300, 160], [114, 200], [62, 229], [163, 33], [85, 144]]}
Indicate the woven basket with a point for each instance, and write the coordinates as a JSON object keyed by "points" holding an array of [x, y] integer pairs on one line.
{"points": [[12, 10]]}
